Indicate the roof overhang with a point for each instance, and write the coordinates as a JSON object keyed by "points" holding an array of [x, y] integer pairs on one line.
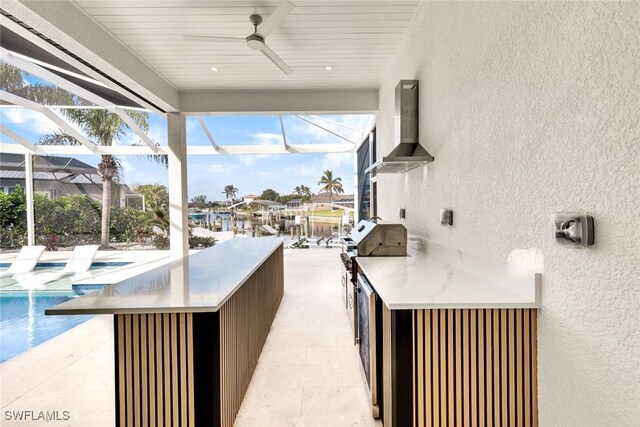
{"points": [[65, 32]]}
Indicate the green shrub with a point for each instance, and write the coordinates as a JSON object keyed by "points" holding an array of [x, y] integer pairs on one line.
{"points": [[13, 237], [13, 209], [74, 219], [125, 223], [13, 219], [201, 242], [160, 241]]}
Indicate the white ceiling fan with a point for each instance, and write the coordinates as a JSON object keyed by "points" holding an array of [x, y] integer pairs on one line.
{"points": [[256, 41]]}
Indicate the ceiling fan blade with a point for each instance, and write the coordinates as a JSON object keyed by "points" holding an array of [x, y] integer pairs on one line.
{"points": [[204, 38], [276, 18], [266, 50]]}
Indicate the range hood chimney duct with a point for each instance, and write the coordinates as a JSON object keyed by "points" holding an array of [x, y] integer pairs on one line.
{"points": [[408, 154]]}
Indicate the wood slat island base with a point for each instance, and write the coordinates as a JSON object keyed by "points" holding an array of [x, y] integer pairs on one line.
{"points": [[450, 367], [193, 369], [188, 335], [459, 338]]}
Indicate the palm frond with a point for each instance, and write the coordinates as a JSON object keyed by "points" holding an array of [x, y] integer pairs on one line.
{"points": [[141, 118], [13, 80], [161, 159], [58, 137]]}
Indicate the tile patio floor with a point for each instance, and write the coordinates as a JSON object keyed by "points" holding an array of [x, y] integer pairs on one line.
{"points": [[308, 373]]}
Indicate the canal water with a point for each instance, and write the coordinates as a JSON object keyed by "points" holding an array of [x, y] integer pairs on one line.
{"points": [[244, 222]]}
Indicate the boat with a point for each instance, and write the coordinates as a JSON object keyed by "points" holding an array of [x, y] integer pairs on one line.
{"points": [[197, 215]]}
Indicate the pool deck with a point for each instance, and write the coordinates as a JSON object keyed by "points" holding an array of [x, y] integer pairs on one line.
{"points": [[308, 374]]}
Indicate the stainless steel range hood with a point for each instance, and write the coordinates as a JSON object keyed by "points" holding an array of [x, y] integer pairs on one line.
{"points": [[408, 154]]}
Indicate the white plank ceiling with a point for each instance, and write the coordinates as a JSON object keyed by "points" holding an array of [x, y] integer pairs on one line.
{"points": [[357, 38]]}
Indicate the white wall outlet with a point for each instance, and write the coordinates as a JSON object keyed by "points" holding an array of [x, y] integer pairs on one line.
{"points": [[576, 229], [401, 213]]}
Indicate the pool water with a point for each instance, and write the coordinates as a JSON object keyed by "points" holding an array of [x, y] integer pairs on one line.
{"points": [[62, 284], [23, 324]]}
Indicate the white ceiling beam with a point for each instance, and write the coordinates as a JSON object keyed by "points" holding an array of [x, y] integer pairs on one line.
{"points": [[69, 107], [280, 101], [66, 24], [51, 77], [284, 135], [7, 23], [272, 149], [205, 128], [12, 148], [71, 150], [14, 99], [20, 140], [344, 125], [197, 150]]}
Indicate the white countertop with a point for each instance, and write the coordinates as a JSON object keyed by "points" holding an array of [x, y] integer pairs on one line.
{"points": [[445, 278], [201, 282]]}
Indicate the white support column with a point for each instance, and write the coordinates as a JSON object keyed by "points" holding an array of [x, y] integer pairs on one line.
{"points": [[28, 184], [356, 197], [177, 138]]}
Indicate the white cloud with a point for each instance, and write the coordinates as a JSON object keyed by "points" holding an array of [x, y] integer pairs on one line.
{"points": [[336, 160], [33, 121], [247, 160], [137, 170], [266, 138], [158, 133]]}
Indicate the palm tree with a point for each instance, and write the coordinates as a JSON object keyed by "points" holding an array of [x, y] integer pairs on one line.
{"points": [[102, 127], [230, 192], [330, 185], [303, 192], [12, 80], [156, 196]]}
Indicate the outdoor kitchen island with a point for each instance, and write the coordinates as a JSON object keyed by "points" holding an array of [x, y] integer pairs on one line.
{"points": [[188, 335], [455, 338]]}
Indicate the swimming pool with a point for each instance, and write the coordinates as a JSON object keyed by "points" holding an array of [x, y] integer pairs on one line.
{"points": [[23, 324], [64, 283]]}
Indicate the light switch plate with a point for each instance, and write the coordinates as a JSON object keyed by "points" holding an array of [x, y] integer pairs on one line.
{"points": [[574, 229], [401, 213]]}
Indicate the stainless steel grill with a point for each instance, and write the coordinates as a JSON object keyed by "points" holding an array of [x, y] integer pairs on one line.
{"points": [[367, 239], [372, 239]]}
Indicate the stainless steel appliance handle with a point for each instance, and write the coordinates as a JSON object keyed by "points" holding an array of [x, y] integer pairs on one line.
{"points": [[356, 314], [363, 283], [366, 287]]}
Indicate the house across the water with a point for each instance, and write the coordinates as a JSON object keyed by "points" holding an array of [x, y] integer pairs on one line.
{"points": [[56, 176]]}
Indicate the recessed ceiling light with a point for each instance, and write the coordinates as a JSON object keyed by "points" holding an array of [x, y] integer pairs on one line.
{"points": [[328, 68], [213, 69]]}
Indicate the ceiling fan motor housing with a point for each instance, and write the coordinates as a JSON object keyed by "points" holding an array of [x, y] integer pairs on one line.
{"points": [[255, 42], [256, 20]]}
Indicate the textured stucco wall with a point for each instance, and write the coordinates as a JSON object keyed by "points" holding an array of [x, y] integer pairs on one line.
{"points": [[530, 109]]}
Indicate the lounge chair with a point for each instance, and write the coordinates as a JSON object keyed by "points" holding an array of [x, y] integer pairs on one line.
{"points": [[79, 262], [25, 261]]}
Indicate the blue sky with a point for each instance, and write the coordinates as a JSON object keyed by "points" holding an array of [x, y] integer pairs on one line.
{"points": [[209, 174]]}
